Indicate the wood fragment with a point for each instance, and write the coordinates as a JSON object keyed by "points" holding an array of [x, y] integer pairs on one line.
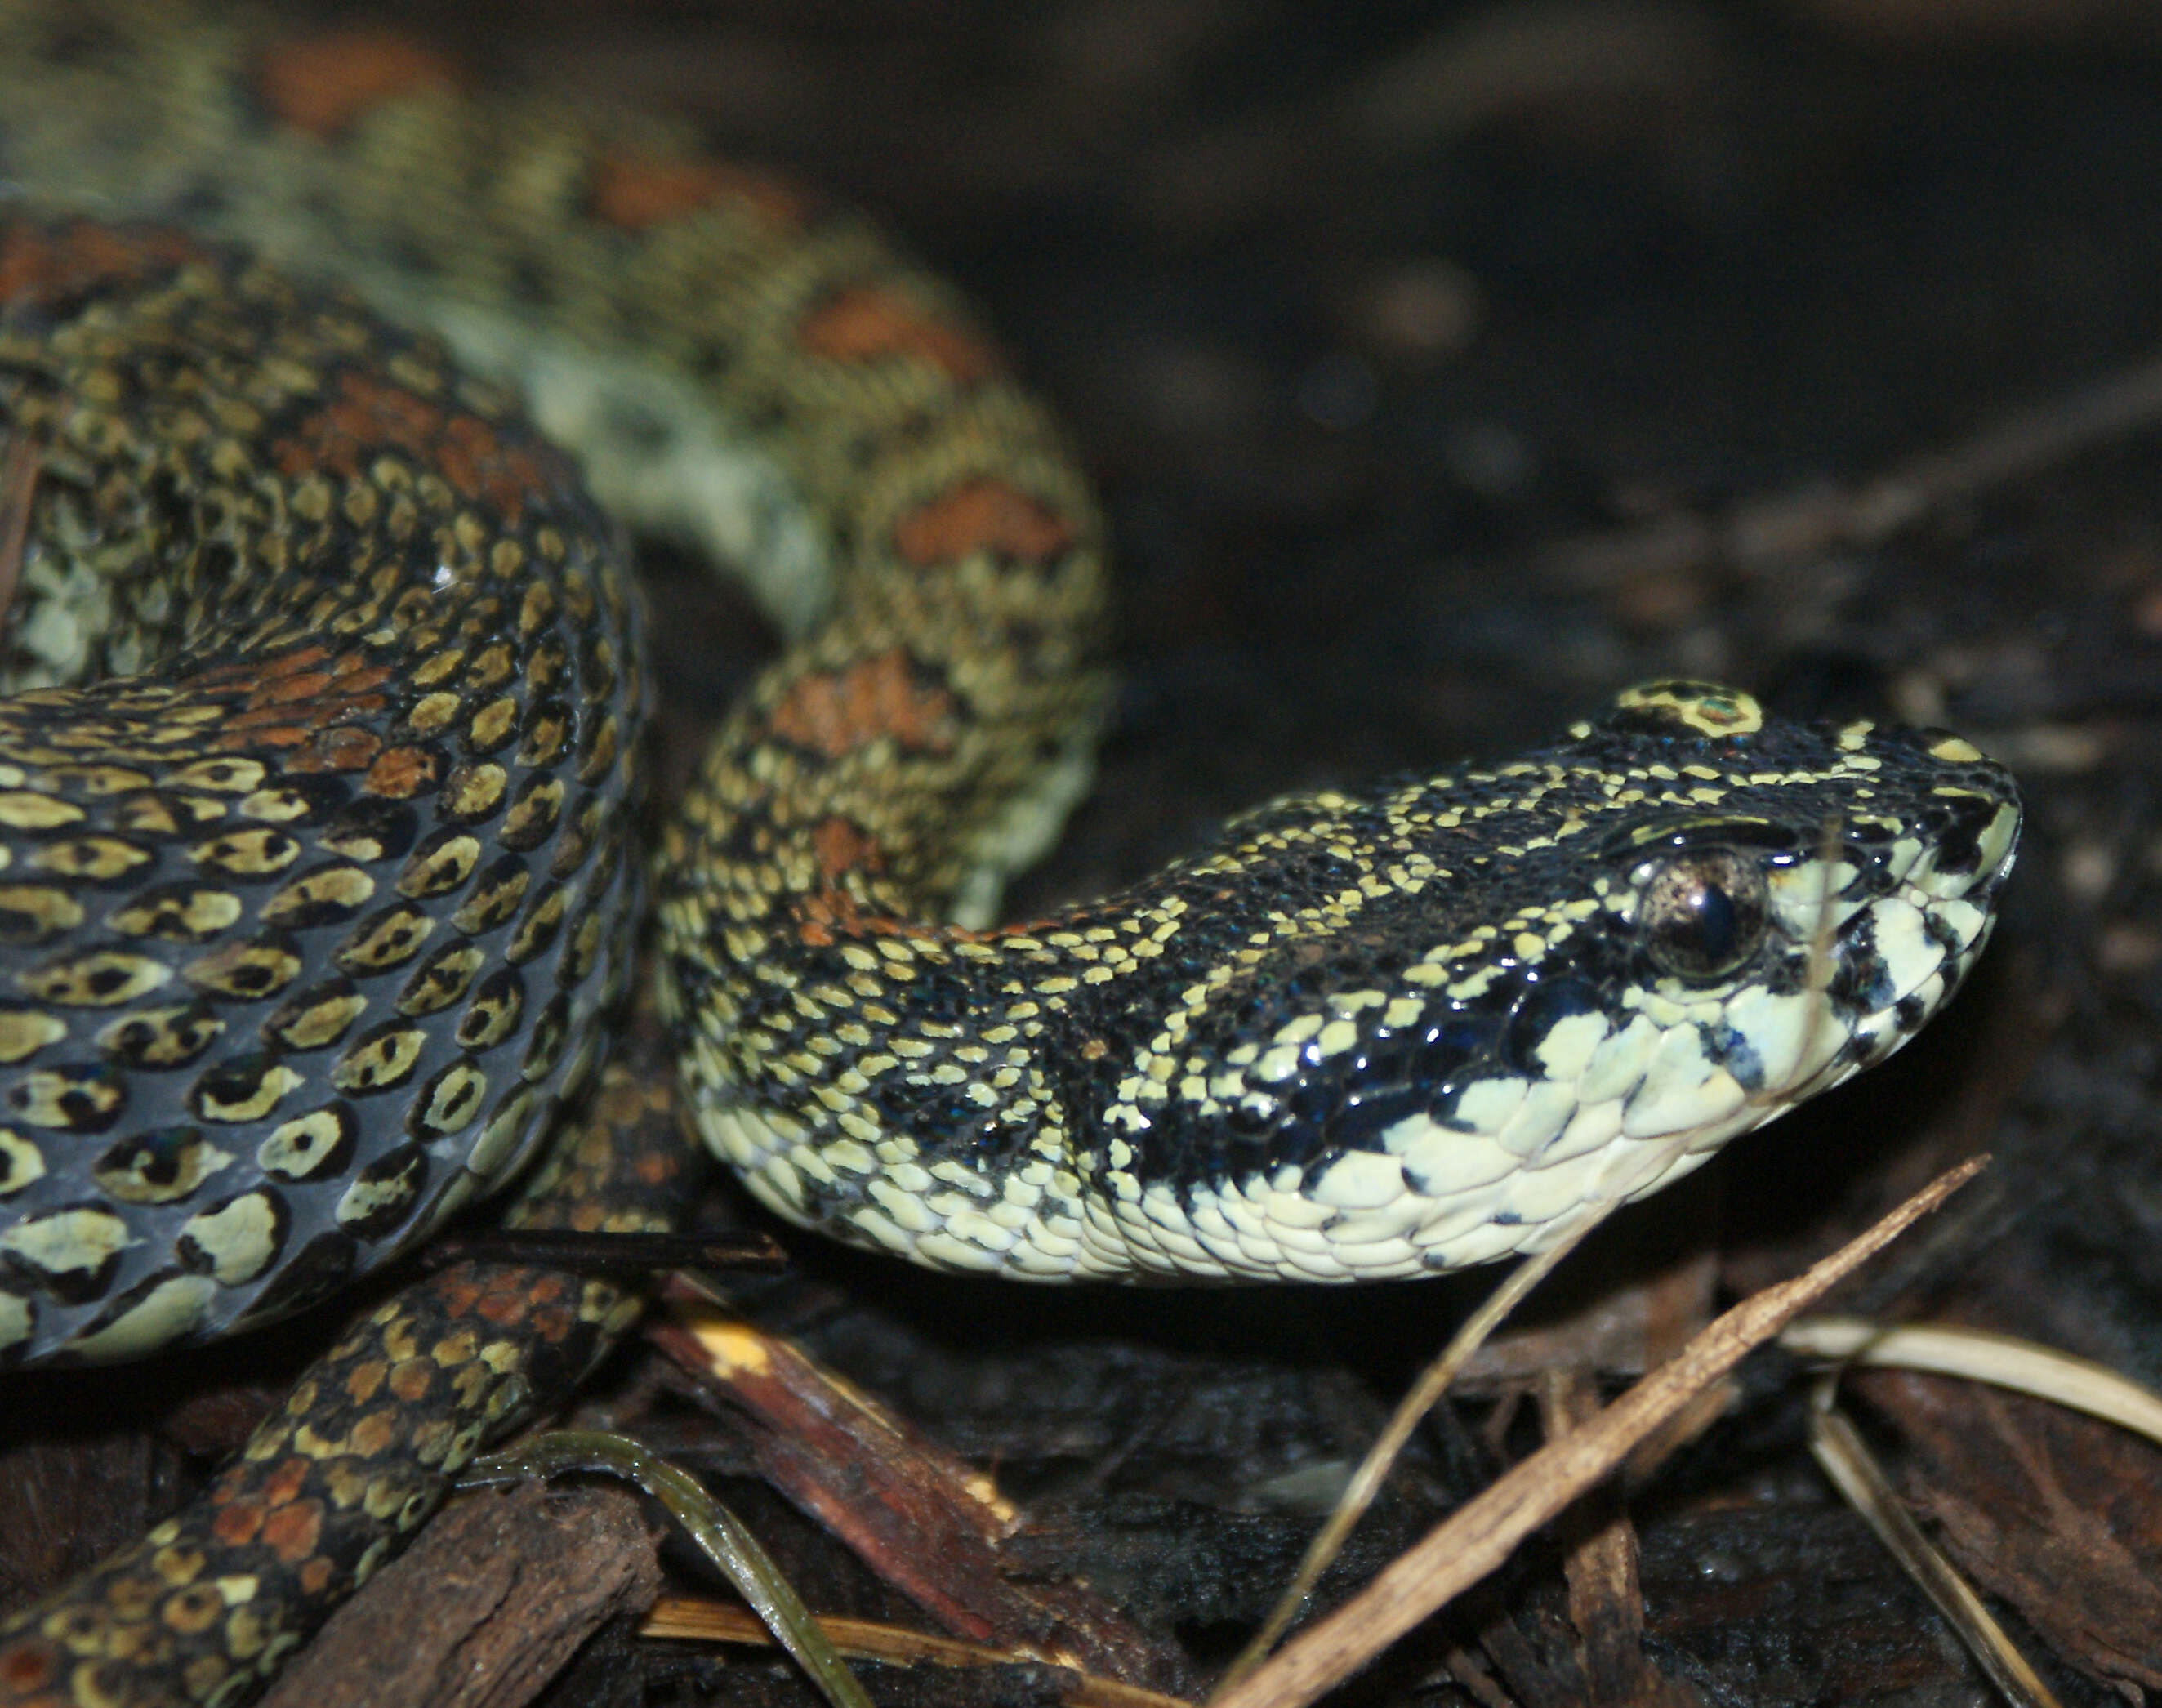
{"points": [[927, 1523], [20, 462], [2050, 1511], [485, 1608], [1840, 1452], [1605, 1600]]}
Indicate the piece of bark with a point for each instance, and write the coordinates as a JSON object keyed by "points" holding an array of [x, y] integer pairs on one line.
{"points": [[2051, 1509], [485, 1608], [1605, 1600], [929, 1525]]}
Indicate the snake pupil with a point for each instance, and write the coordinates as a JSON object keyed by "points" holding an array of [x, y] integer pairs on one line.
{"points": [[1703, 914]]}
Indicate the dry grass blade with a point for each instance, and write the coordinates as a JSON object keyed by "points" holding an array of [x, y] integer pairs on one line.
{"points": [[1476, 1538], [1856, 1474], [2002, 1361], [712, 1528], [699, 1620]]}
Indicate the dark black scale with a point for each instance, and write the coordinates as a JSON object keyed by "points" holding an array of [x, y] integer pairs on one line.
{"points": [[316, 909], [1733, 1052], [282, 1027], [381, 602], [1861, 981], [1958, 825], [310, 1273], [371, 828], [175, 1039], [1546, 1002], [394, 1180]]}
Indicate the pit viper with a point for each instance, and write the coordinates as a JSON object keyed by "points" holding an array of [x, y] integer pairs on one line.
{"points": [[329, 375]]}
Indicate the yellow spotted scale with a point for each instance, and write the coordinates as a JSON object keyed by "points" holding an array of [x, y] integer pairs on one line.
{"points": [[314, 784]]}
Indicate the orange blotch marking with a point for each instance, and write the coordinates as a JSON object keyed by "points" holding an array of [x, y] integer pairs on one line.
{"points": [[457, 1289], [361, 682], [525, 1293], [299, 661], [221, 680], [826, 915], [291, 1533], [634, 191], [252, 729], [400, 774], [342, 749], [322, 83], [865, 322], [341, 709], [368, 415], [286, 1482], [314, 1576], [279, 692], [238, 1521], [27, 1665], [839, 847], [479, 465], [982, 515], [836, 712], [298, 693], [38, 264]]}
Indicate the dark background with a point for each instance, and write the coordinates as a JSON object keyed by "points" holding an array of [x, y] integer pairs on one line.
{"points": [[1430, 358]]}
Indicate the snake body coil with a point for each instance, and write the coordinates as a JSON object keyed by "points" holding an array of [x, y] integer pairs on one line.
{"points": [[311, 802]]}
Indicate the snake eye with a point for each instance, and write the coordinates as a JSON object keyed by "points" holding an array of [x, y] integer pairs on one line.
{"points": [[1703, 913]]}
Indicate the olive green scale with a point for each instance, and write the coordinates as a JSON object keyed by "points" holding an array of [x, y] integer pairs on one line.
{"points": [[316, 881]]}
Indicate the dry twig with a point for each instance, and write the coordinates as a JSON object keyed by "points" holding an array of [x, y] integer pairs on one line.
{"points": [[1479, 1536]]}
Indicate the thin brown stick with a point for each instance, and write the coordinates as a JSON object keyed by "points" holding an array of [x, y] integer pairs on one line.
{"points": [[1381, 1457], [1481, 1535], [697, 1619]]}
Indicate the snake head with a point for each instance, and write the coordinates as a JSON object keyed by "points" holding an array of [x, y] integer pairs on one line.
{"points": [[1482, 1001]]}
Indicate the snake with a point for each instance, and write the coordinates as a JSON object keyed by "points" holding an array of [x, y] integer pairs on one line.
{"points": [[333, 378]]}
